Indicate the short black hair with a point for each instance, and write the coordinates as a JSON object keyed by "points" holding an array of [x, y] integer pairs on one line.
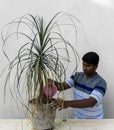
{"points": [[91, 58]]}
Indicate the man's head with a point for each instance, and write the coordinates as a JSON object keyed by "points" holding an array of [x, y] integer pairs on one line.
{"points": [[90, 63], [91, 58]]}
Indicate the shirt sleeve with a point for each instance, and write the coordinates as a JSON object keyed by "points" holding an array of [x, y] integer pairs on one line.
{"points": [[97, 95], [99, 90], [70, 82]]}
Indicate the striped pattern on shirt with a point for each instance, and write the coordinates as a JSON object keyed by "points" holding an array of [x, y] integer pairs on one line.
{"points": [[94, 87]]}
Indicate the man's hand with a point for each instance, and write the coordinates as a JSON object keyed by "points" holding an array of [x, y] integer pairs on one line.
{"points": [[59, 104]]}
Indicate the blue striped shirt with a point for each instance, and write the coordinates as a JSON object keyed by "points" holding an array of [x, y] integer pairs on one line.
{"points": [[84, 88]]}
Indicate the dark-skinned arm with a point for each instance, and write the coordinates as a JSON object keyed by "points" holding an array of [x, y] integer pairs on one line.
{"points": [[83, 103]]}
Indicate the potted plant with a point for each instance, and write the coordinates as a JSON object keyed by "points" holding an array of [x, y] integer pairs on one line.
{"points": [[43, 51]]}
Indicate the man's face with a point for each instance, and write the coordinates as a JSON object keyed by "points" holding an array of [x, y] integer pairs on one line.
{"points": [[89, 69]]}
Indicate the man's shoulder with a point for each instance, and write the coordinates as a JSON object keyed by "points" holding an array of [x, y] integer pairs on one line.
{"points": [[101, 81], [101, 78], [78, 75]]}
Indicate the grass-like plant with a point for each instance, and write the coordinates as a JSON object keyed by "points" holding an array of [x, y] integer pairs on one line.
{"points": [[43, 51]]}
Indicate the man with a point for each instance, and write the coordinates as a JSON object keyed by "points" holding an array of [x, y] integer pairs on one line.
{"points": [[89, 89]]}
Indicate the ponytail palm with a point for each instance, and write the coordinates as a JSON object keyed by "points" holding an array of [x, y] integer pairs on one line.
{"points": [[44, 52]]}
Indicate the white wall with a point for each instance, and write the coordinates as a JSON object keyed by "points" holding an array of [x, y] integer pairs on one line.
{"points": [[97, 18]]}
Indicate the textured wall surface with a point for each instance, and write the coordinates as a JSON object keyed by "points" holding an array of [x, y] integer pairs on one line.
{"points": [[97, 18]]}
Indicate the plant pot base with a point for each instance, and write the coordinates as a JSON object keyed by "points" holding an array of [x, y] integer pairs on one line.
{"points": [[44, 117]]}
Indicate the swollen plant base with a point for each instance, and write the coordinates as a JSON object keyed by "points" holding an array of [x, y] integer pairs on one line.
{"points": [[43, 117]]}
